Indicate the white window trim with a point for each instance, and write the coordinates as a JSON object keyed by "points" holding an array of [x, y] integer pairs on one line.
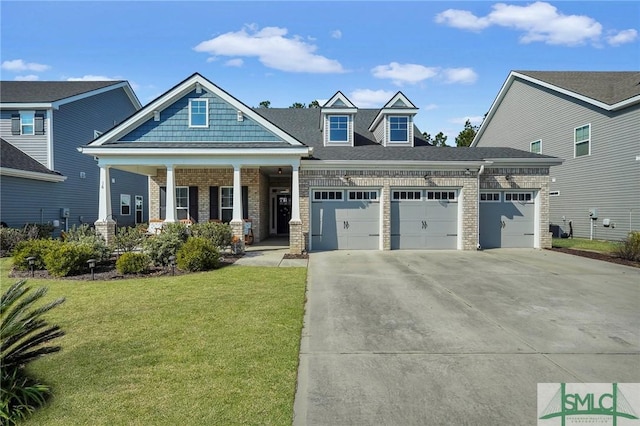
{"points": [[491, 201], [430, 200], [182, 208], [316, 191], [370, 191], [539, 141], [123, 197], [395, 200], [576, 143], [220, 207], [332, 141], [199, 126], [33, 123], [531, 200], [408, 129]]}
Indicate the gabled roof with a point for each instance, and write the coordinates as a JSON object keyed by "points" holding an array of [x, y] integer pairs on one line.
{"points": [[339, 101], [14, 162], [45, 94], [608, 90], [399, 103], [195, 81]]}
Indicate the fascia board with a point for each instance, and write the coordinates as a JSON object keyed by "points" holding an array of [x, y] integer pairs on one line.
{"points": [[110, 151], [26, 105], [496, 102], [330, 111], [4, 171], [404, 165], [527, 162]]}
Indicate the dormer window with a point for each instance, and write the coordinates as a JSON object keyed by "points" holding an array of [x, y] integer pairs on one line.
{"points": [[399, 129], [338, 128], [198, 113], [27, 122]]}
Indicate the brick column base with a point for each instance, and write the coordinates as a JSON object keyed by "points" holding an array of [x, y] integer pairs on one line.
{"points": [[107, 229], [296, 238]]}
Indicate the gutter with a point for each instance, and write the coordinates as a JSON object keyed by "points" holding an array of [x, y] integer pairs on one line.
{"points": [[480, 171]]}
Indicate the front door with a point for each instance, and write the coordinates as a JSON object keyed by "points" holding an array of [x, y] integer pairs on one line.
{"points": [[283, 213]]}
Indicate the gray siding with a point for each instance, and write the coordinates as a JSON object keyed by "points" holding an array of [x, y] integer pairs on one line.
{"points": [[33, 145], [608, 179]]}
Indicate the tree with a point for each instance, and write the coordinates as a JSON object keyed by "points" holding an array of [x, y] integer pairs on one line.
{"points": [[427, 137], [265, 104], [465, 137], [297, 105], [314, 104], [440, 140]]}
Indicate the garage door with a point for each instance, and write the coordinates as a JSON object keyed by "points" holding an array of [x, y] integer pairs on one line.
{"points": [[345, 219], [506, 219], [424, 219]]}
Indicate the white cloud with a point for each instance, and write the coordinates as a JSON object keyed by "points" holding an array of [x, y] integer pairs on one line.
{"points": [[459, 75], [18, 65], [622, 37], [400, 74], [430, 107], [475, 120], [273, 49], [236, 62], [29, 77], [90, 77], [336, 34], [539, 22], [367, 98]]}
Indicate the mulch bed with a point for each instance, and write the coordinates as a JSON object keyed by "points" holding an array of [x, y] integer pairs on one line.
{"points": [[107, 272], [598, 256]]}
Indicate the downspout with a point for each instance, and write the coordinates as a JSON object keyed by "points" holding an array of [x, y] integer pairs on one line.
{"points": [[480, 171]]}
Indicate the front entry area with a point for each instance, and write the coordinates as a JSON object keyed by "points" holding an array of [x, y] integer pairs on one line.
{"points": [[507, 219], [345, 220]]}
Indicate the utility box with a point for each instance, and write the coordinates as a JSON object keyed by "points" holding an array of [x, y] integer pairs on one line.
{"points": [[593, 214], [65, 212]]}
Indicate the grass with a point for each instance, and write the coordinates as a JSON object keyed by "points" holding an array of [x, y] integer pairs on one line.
{"points": [[585, 244], [200, 349]]}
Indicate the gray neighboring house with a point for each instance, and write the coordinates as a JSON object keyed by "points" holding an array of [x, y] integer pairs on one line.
{"points": [[43, 176], [592, 121], [332, 178]]}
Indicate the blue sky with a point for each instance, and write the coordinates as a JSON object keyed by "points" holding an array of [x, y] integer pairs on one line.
{"points": [[449, 58]]}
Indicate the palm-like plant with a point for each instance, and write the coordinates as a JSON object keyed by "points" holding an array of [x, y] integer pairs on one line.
{"points": [[24, 336]]}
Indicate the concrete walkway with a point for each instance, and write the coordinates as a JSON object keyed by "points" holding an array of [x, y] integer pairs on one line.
{"points": [[456, 338], [270, 252]]}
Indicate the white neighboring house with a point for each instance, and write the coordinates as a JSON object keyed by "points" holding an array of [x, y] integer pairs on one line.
{"points": [[592, 121]]}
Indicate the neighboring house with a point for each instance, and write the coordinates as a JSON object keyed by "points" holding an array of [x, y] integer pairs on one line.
{"points": [[335, 177], [44, 178], [592, 121]]}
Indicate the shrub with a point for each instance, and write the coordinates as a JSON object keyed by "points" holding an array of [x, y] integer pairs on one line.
{"points": [[132, 263], [9, 239], [35, 248], [218, 233], [630, 248], [160, 247], [86, 235], [25, 337], [128, 239], [38, 231], [68, 259], [198, 254]]}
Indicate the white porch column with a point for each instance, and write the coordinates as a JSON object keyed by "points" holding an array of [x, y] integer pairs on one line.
{"points": [[295, 194], [170, 211], [104, 200], [237, 195]]}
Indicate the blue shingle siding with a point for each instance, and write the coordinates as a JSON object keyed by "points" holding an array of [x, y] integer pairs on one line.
{"points": [[223, 125]]}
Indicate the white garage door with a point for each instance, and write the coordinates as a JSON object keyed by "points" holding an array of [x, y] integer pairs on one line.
{"points": [[424, 219], [345, 219], [507, 219]]}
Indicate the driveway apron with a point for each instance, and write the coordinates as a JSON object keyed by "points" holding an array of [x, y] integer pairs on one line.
{"points": [[449, 337]]}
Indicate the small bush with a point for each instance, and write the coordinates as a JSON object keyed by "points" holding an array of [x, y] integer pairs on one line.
{"points": [[129, 239], [38, 231], [198, 254], [69, 258], [133, 263], [86, 235], [219, 234], [630, 248], [160, 247], [35, 248], [9, 239]]}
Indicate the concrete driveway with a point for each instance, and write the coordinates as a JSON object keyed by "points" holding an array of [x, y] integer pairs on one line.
{"points": [[447, 337]]}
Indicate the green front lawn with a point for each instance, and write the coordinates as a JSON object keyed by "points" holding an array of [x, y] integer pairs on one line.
{"points": [[219, 347], [586, 244]]}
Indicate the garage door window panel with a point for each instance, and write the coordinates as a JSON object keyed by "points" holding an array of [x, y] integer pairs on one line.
{"points": [[490, 197]]}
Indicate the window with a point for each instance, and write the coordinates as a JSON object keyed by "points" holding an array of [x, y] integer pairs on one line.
{"points": [[490, 197], [139, 206], [27, 122], [363, 195], [182, 202], [536, 147], [522, 197], [406, 195], [398, 129], [582, 140], [338, 128], [125, 204], [198, 116], [327, 195], [441, 195], [226, 203]]}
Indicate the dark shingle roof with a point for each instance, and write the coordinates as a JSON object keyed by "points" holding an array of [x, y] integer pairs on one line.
{"points": [[609, 87], [12, 158], [304, 125], [47, 91]]}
